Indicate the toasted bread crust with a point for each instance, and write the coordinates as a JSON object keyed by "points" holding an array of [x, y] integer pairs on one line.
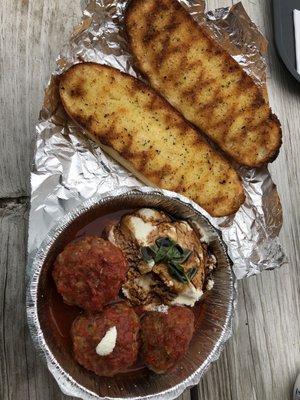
{"points": [[202, 81], [149, 137]]}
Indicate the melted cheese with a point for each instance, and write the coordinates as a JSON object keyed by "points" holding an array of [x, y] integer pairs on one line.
{"points": [[149, 214], [107, 343], [111, 236], [160, 308], [144, 282], [210, 284], [141, 230], [188, 297]]}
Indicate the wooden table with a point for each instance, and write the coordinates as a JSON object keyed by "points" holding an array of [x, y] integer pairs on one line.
{"points": [[262, 359]]}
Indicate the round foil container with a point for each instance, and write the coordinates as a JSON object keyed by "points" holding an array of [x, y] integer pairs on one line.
{"points": [[215, 312]]}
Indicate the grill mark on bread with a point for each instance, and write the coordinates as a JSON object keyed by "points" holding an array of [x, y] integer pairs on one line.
{"points": [[77, 92], [159, 58], [185, 43]]}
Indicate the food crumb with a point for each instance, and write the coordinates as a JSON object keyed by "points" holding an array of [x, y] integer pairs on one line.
{"points": [[210, 284], [161, 308]]}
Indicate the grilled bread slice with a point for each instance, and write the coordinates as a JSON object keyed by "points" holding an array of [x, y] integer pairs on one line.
{"points": [[202, 81], [145, 134]]}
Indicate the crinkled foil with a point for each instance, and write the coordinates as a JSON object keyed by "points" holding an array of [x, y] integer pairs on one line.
{"points": [[68, 168]]}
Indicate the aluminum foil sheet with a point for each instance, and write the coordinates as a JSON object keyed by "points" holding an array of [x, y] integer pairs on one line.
{"points": [[68, 168], [217, 308]]}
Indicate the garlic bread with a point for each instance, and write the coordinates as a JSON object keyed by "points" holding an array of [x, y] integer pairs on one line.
{"points": [[202, 81], [140, 129]]}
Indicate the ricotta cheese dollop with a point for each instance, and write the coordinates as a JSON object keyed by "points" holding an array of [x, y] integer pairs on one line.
{"points": [[188, 297], [107, 343], [141, 229]]}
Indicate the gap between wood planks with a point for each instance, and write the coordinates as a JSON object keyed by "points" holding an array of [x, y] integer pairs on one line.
{"points": [[10, 202]]}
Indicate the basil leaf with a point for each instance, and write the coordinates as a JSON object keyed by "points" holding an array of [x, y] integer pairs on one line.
{"points": [[191, 273], [179, 248], [147, 253], [181, 258], [164, 242], [178, 267], [177, 274], [172, 254], [154, 248], [161, 254], [186, 256]]}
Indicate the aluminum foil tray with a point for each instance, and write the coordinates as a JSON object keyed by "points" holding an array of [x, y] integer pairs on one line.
{"points": [[214, 317]]}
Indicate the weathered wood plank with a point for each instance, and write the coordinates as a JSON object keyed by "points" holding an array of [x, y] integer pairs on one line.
{"points": [[31, 34], [23, 374], [262, 359], [12, 260]]}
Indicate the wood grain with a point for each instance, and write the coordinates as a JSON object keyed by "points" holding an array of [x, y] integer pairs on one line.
{"points": [[23, 374], [31, 34], [262, 359]]}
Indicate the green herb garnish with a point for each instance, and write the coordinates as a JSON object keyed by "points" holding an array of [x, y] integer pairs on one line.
{"points": [[192, 272], [166, 251]]}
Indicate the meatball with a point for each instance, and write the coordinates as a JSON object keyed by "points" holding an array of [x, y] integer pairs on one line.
{"points": [[166, 337], [89, 273], [88, 331]]}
